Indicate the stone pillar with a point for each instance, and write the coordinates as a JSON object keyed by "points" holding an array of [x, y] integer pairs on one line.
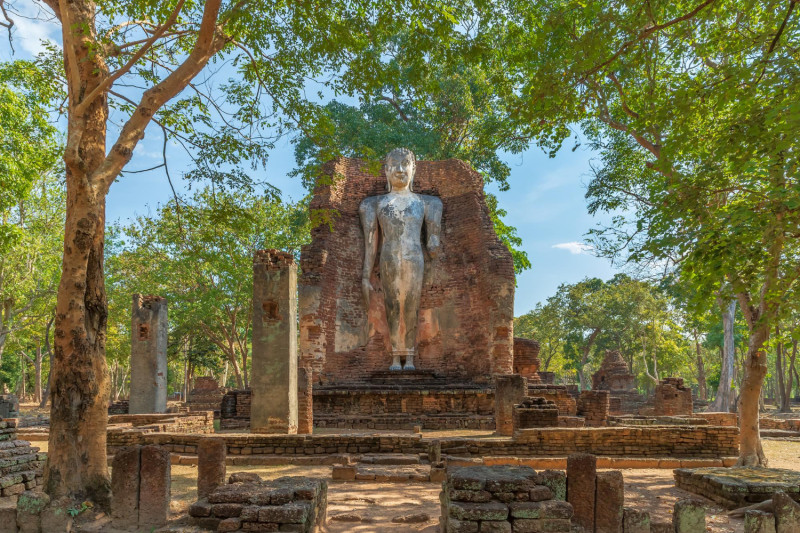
{"points": [[787, 513], [211, 453], [581, 478], [305, 401], [125, 487], [635, 521], [510, 389], [610, 499], [148, 355], [688, 516], [154, 486], [273, 379]]}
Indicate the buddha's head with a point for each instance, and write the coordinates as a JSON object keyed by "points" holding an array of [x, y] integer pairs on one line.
{"points": [[400, 168]]}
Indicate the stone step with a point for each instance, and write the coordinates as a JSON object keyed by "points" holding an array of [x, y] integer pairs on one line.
{"points": [[384, 473], [390, 459]]}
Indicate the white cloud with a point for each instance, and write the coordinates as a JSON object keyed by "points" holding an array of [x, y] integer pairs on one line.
{"points": [[574, 247]]}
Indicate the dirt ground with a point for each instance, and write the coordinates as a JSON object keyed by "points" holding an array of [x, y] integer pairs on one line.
{"points": [[371, 507]]}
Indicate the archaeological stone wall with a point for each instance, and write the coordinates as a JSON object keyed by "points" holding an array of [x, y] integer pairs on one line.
{"points": [[466, 310]]}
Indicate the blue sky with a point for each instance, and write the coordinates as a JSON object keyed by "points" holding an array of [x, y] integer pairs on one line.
{"points": [[545, 201]]}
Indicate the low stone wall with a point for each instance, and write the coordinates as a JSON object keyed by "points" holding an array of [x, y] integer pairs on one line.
{"points": [[285, 504], [786, 424], [200, 422], [593, 406], [205, 396], [535, 413], [719, 419], [118, 408], [672, 398], [403, 421], [502, 498], [20, 463], [738, 486], [680, 442]]}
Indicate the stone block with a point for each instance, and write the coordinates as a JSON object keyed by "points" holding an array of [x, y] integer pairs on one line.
{"points": [[229, 524], [461, 526], [556, 481], [610, 499], [541, 510], [343, 473], [154, 486], [549, 525], [635, 521], [787, 513], [689, 516], [491, 526], [125, 487], [491, 510], [55, 518], [759, 522], [539, 493], [211, 454], [581, 479], [244, 477], [8, 517], [30, 505], [295, 513], [200, 508], [476, 496]]}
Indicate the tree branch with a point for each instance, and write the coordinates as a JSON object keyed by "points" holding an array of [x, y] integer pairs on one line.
{"points": [[643, 34], [109, 81]]}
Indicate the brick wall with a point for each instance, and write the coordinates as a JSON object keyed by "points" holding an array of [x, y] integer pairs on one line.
{"points": [[466, 310], [526, 358], [672, 398], [558, 394]]}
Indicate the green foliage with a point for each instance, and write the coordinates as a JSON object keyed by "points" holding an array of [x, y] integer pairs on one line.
{"points": [[29, 143], [199, 255]]}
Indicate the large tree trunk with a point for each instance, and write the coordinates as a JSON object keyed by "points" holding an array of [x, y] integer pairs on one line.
{"points": [[750, 451], [787, 378], [722, 402], [77, 466], [37, 384]]}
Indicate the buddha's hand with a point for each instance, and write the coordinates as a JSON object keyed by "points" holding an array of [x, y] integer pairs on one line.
{"points": [[433, 246], [366, 289]]}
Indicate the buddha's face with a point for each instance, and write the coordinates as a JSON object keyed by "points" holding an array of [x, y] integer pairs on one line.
{"points": [[400, 171]]}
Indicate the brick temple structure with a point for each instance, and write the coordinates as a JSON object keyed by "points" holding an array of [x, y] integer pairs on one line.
{"points": [[526, 359], [465, 331], [614, 376]]}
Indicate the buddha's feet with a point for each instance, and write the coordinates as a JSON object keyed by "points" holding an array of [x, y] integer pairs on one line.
{"points": [[409, 363], [396, 363], [396, 367]]}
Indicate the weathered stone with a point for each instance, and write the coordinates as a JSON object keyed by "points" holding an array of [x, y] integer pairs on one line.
{"points": [[661, 527], [673, 398], [510, 390], [244, 477], [689, 516], [273, 378], [415, 518], [30, 505], [491, 510], [226, 510], [229, 524], [56, 518], [550, 525], [490, 526], [295, 513], [8, 517], [635, 521], [541, 510], [581, 476], [211, 453], [759, 522], [787, 513], [343, 473], [148, 355], [125, 487], [200, 509], [540, 493], [462, 526], [610, 499], [154, 486], [556, 481], [476, 496]]}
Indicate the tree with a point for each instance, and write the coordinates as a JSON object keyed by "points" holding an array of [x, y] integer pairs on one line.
{"points": [[693, 106], [110, 50]]}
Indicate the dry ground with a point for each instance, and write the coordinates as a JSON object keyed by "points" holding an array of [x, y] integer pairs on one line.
{"points": [[376, 504]]}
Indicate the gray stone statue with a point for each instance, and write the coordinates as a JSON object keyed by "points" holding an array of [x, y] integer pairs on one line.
{"points": [[395, 219]]}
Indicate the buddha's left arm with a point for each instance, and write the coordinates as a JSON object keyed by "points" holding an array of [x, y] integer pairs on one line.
{"points": [[433, 223]]}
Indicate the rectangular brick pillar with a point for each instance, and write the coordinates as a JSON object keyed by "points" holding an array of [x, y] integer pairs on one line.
{"points": [[305, 401], [273, 379], [581, 478], [148, 355], [154, 486], [610, 500], [125, 487], [510, 389], [211, 454]]}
